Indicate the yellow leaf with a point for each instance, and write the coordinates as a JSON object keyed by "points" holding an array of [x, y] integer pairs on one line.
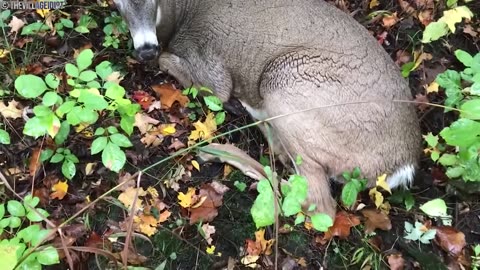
{"points": [[128, 196], [373, 4], [4, 53], [432, 88], [147, 224], [419, 57], [167, 129], [376, 196], [265, 244], [227, 170], [196, 165], [42, 12], [152, 191], [89, 168], [210, 250], [250, 260], [186, 200], [455, 15], [382, 183], [203, 130], [59, 190]]}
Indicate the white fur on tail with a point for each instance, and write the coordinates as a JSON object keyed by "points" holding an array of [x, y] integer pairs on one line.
{"points": [[402, 177]]}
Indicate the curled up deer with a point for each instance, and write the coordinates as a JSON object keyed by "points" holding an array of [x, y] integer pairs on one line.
{"points": [[282, 56]]}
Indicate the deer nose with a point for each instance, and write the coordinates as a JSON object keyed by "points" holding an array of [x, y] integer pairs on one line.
{"points": [[147, 52]]}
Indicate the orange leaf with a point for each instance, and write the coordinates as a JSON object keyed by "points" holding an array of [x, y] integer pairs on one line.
{"points": [[169, 94], [59, 190], [35, 162], [341, 226], [450, 240]]}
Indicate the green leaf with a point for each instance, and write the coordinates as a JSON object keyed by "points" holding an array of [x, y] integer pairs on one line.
{"points": [[34, 28], [321, 222], [2, 210], [4, 137], [463, 133], [30, 86], [349, 193], [36, 239], [292, 204], [15, 222], [220, 118], [213, 103], [104, 69], [41, 110], [471, 109], [127, 123], [84, 59], [299, 219], [435, 208], [94, 84], [409, 201], [57, 158], [87, 75], [99, 131], [15, 208], [7, 254], [82, 29], [33, 216], [455, 172], [27, 233], [65, 108], [88, 116], [120, 140], [113, 157], [98, 145], [115, 91], [262, 211], [73, 117], [46, 154], [434, 31], [432, 140], [34, 128], [63, 133], [356, 172], [48, 256], [72, 70], [52, 80], [464, 57], [240, 186], [112, 130], [68, 169], [50, 98], [30, 201], [448, 160], [92, 100], [67, 23], [449, 79]]}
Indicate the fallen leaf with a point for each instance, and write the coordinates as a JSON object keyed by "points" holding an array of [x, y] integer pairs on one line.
{"points": [[15, 24], [396, 261], [432, 88], [455, 15], [186, 199], [167, 129], [143, 98], [376, 219], [373, 3], [390, 20], [450, 240], [383, 184], [147, 224], [60, 189], [35, 162], [90, 168], [376, 196], [156, 105], [203, 130], [114, 77], [467, 29], [210, 250], [196, 165], [208, 231], [128, 196], [422, 99], [169, 94], [207, 211], [176, 145], [10, 111], [341, 226], [144, 122]]}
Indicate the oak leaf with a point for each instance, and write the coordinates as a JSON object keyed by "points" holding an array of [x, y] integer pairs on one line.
{"points": [[376, 219], [10, 111], [169, 95], [341, 226]]}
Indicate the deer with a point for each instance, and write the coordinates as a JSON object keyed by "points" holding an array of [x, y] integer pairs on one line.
{"points": [[279, 57]]}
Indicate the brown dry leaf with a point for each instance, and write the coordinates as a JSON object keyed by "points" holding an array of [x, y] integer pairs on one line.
{"points": [[396, 261], [419, 57], [402, 57], [341, 226], [203, 130], [144, 122], [212, 194], [168, 94], [208, 231], [176, 145], [260, 246], [128, 196], [390, 20], [376, 219], [114, 77], [421, 98], [450, 239], [60, 189], [405, 5], [425, 17], [10, 111], [35, 162], [152, 139], [468, 29], [16, 24]]}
